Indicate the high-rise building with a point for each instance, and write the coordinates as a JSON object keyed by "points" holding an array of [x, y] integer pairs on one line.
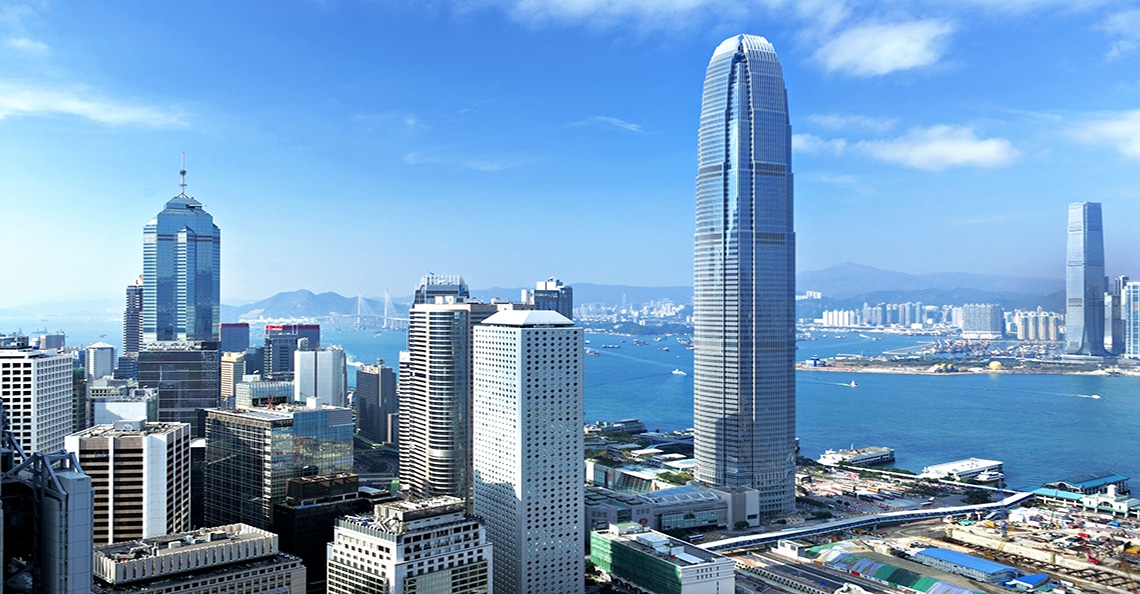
{"points": [[186, 377], [252, 453], [310, 332], [80, 410], [982, 320], [100, 360], [281, 342], [405, 547], [252, 392], [141, 475], [235, 337], [377, 405], [47, 522], [1131, 306], [132, 318], [1114, 316], [528, 449], [551, 295], [440, 285], [116, 400], [37, 393], [321, 374], [233, 559], [1085, 281], [181, 272], [744, 390], [232, 372], [435, 396]]}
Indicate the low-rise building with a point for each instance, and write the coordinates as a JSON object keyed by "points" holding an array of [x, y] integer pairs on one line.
{"points": [[1093, 482], [975, 568], [653, 562], [233, 559], [962, 469]]}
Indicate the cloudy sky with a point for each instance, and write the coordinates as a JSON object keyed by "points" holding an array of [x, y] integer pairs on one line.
{"points": [[354, 145]]}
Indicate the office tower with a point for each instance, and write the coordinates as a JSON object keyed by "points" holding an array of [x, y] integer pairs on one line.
{"points": [[529, 448], [197, 482], [405, 547], [100, 360], [281, 342], [235, 337], [310, 332], [435, 396], [1114, 316], [440, 285], [982, 321], [305, 522], [251, 455], [80, 410], [51, 341], [233, 559], [37, 392], [117, 400], [253, 392], [551, 295], [1131, 307], [1084, 281], [744, 390], [254, 360], [132, 318], [186, 377], [321, 374], [182, 250], [232, 372], [141, 475], [376, 402]]}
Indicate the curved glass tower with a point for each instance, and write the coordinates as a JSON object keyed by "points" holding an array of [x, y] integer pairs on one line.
{"points": [[1085, 281], [744, 391], [182, 273]]}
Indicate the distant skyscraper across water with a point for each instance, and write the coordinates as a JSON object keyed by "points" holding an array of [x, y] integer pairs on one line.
{"points": [[1085, 281], [182, 272], [744, 391]]}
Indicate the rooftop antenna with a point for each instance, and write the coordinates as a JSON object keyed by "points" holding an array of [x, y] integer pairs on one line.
{"points": [[182, 172]]}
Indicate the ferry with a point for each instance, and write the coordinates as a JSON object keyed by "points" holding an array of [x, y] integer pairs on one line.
{"points": [[679, 372], [664, 349], [989, 477]]}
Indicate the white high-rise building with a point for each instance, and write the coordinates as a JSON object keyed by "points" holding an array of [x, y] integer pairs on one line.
{"points": [[321, 374], [528, 446], [100, 360], [36, 390], [141, 475], [1131, 306], [405, 547]]}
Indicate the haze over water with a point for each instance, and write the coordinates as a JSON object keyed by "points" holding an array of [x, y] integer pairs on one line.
{"points": [[1043, 427]]}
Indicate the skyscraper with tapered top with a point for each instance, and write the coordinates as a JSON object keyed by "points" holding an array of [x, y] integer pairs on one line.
{"points": [[181, 272], [1085, 281], [744, 390]]}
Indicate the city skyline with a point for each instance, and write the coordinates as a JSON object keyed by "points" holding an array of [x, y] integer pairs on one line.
{"points": [[314, 132]]}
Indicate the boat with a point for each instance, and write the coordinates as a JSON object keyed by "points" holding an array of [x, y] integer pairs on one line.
{"points": [[591, 352], [853, 384], [679, 372], [611, 346], [665, 349]]}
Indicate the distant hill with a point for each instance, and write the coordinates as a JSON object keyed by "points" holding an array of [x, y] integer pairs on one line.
{"points": [[847, 280], [300, 304]]}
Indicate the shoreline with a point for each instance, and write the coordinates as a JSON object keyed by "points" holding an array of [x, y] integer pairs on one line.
{"points": [[897, 370]]}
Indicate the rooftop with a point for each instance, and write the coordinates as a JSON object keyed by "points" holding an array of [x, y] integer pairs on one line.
{"points": [[170, 544], [131, 427], [1093, 480], [964, 560], [676, 552], [528, 318]]}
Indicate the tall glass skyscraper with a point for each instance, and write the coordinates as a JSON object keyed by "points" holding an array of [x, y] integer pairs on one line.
{"points": [[182, 273], [744, 390], [1085, 281]]}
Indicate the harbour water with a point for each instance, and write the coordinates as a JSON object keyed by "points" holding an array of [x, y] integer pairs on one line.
{"points": [[1043, 427]]}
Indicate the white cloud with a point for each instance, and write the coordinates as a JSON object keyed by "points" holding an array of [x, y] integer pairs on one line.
{"points": [[23, 101], [939, 147], [832, 121], [608, 12], [607, 121], [28, 46], [807, 143], [1125, 27], [878, 49], [485, 164], [1120, 131]]}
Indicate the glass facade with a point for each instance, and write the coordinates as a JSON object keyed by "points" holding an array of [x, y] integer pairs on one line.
{"points": [[252, 454], [186, 377], [1132, 320], [744, 277], [181, 273], [1085, 281]]}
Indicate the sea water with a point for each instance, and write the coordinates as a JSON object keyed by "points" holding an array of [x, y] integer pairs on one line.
{"points": [[1043, 427]]}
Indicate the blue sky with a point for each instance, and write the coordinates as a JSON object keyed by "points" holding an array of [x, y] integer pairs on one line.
{"points": [[355, 145]]}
